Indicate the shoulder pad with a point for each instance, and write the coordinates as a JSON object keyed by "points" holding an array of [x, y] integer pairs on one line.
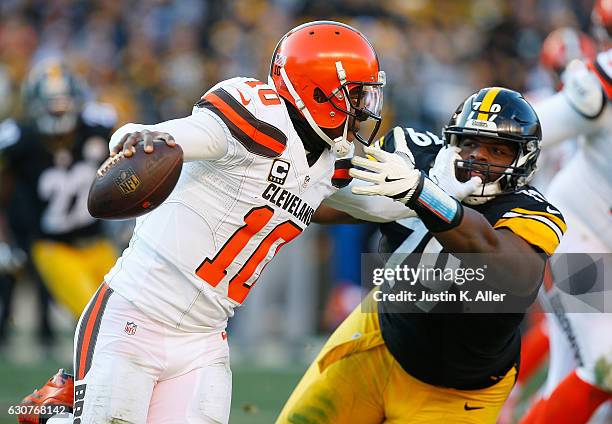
{"points": [[533, 197], [527, 196], [255, 96], [99, 114], [583, 89], [9, 133], [529, 215], [253, 112], [424, 146]]}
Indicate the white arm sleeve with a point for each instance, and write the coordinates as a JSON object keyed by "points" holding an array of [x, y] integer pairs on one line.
{"points": [[573, 111], [201, 135], [367, 208]]}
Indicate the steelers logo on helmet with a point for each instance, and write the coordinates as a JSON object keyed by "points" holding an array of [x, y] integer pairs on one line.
{"points": [[502, 116], [330, 72]]}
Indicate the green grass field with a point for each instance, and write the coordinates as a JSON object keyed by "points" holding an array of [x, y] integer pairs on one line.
{"points": [[258, 393]]}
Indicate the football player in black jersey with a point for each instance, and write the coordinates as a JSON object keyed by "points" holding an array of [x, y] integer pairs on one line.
{"points": [[51, 158], [469, 194]]}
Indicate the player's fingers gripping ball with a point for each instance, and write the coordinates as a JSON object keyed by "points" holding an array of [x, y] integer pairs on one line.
{"points": [[128, 142], [127, 186]]}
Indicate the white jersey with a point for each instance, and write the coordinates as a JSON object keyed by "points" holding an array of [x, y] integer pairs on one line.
{"points": [[583, 187], [195, 258]]}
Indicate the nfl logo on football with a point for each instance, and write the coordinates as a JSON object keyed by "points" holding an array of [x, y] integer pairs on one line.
{"points": [[127, 181], [130, 328]]}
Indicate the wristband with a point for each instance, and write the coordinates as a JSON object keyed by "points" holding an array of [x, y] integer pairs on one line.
{"points": [[437, 209]]}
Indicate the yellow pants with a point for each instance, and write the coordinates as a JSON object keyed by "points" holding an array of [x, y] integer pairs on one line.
{"points": [[73, 274], [355, 379]]}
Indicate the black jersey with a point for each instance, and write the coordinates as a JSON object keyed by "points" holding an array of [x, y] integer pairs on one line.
{"points": [[51, 179], [463, 351]]}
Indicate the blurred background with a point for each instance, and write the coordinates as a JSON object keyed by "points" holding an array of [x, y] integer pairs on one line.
{"points": [[151, 60]]}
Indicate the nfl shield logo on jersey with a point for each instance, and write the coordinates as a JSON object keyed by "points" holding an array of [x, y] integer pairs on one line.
{"points": [[130, 328]]}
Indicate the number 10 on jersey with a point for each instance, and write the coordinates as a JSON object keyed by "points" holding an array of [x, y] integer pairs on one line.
{"points": [[214, 270]]}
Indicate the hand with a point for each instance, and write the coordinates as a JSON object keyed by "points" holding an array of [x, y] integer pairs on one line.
{"points": [[443, 174], [393, 174], [129, 141]]}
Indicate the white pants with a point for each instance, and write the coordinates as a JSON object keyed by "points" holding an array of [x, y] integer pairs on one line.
{"points": [[131, 369], [587, 336]]}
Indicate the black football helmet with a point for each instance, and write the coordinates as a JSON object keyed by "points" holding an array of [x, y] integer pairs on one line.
{"points": [[498, 114], [53, 98]]}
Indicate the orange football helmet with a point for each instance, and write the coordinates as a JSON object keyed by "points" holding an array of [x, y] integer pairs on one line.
{"points": [[564, 45], [601, 18], [329, 71]]}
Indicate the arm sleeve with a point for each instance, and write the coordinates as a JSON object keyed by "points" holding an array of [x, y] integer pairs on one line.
{"points": [[560, 121], [201, 135], [367, 208]]}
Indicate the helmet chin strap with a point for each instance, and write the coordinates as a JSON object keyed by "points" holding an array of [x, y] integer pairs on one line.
{"points": [[340, 145], [493, 188], [488, 193]]}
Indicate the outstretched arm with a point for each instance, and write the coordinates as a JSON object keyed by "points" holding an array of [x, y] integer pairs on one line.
{"points": [[459, 230], [365, 208], [575, 110]]}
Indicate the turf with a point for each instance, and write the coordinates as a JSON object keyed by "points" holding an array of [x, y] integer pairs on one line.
{"points": [[258, 393]]}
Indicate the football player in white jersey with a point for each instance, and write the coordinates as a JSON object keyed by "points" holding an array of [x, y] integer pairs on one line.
{"points": [[259, 159], [580, 372], [559, 48]]}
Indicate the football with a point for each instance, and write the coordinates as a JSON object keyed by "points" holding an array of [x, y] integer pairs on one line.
{"points": [[127, 187]]}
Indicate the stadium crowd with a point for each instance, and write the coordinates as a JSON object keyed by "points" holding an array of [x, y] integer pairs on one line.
{"points": [[152, 59]]}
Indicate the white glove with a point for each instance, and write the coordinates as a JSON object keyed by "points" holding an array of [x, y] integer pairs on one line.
{"points": [[443, 174], [393, 174]]}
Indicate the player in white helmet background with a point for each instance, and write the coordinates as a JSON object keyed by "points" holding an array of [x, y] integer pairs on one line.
{"points": [[580, 373], [559, 48]]}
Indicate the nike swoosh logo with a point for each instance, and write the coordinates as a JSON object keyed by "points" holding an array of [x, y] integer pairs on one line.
{"points": [[244, 101], [471, 408], [549, 210], [390, 180]]}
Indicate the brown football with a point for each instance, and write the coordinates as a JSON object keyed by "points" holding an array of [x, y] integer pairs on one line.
{"points": [[129, 187]]}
